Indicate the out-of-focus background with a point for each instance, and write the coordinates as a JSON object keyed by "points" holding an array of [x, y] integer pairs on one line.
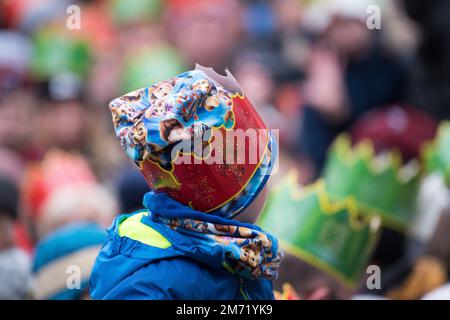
{"points": [[312, 68]]}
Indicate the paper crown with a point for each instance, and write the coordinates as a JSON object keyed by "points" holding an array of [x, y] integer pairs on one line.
{"points": [[379, 184], [436, 155], [330, 235], [153, 122]]}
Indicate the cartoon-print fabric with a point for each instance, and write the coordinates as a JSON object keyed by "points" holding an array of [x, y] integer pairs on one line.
{"points": [[151, 120], [243, 249]]}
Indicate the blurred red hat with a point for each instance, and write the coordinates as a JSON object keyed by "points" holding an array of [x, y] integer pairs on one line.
{"points": [[396, 127], [181, 7], [58, 169]]}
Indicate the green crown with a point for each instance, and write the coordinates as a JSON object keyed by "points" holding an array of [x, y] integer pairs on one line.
{"points": [[331, 235], [380, 184], [436, 155]]}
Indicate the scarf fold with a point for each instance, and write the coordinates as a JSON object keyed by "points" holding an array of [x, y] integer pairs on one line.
{"points": [[243, 249]]}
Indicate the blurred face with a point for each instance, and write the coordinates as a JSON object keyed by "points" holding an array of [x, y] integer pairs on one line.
{"points": [[139, 35], [289, 13], [63, 125], [348, 36], [15, 119], [205, 35], [256, 82]]}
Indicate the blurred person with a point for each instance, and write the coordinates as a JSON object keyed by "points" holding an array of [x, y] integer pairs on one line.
{"points": [[401, 35], [204, 31], [61, 63], [288, 98], [138, 21], [348, 74], [15, 264], [124, 67], [272, 31], [63, 261], [66, 120], [257, 81], [102, 151], [76, 203], [62, 118], [103, 37], [61, 189], [138, 54], [402, 130], [406, 130], [17, 108], [17, 114], [429, 80], [370, 175], [198, 219], [291, 39], [269, 66]]}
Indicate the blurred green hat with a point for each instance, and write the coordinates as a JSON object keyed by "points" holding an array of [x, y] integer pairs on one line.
{"points": [[131, 11], [379, 184], [58, 52], [150, 65], [330, 235], [436, 155]]}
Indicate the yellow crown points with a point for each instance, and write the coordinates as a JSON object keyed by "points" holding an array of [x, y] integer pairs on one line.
{"points": [[331, 235], [379, 183], [436, 155]]}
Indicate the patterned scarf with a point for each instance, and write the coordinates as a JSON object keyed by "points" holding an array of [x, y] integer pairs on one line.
{"points": [[244, 249]]}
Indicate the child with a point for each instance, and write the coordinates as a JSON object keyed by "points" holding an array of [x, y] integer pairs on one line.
{"points": [[196, 238]]}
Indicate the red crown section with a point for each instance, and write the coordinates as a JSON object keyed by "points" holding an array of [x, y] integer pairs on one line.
{"points": [[207, 184]]}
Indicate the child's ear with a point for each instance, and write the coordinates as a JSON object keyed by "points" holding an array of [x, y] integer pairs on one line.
{"points": [[251, 213]]}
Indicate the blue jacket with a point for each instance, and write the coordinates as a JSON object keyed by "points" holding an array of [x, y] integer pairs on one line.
{"points": [[147, 260]]}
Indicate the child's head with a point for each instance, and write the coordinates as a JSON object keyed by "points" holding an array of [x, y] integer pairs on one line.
{"points": [[215, 156]]}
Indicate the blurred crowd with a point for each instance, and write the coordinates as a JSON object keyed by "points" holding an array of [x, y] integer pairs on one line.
{"points": [[312, 68]]}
